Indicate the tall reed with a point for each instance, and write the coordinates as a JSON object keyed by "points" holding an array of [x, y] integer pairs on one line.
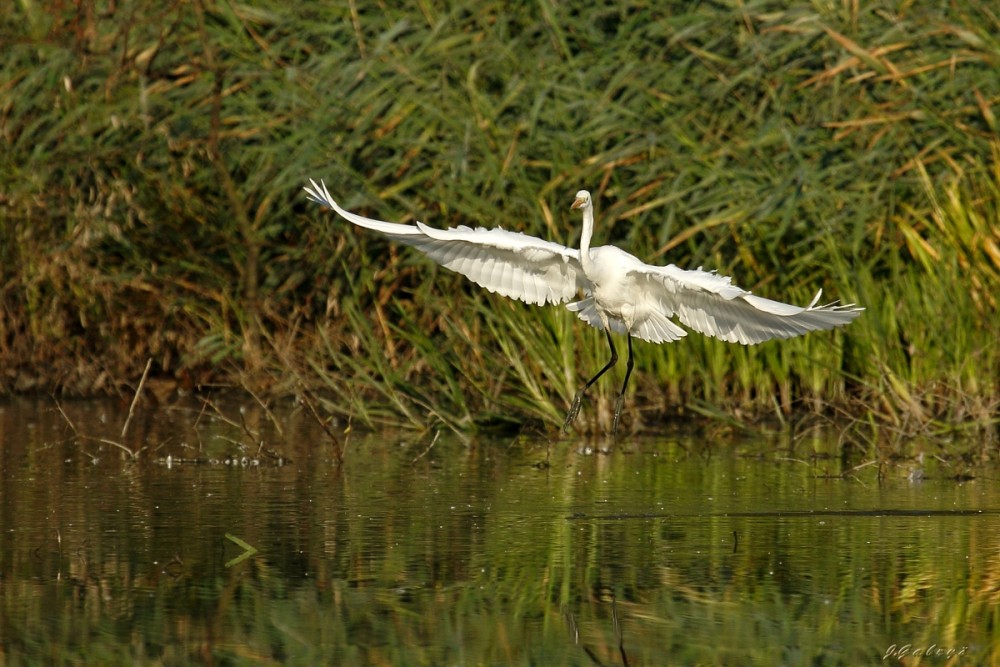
{"points": [[152, 164]]}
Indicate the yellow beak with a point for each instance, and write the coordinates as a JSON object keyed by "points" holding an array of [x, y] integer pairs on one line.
{"points": [[578, 203]]}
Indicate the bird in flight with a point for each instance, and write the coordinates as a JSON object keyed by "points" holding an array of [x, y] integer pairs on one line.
{"points": [[621, 294]]}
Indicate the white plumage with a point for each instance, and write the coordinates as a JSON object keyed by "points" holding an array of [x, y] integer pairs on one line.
{"points": [[621, 293]]}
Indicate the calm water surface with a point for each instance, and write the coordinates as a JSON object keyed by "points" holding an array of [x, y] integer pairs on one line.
{"points": [[415, 551]]}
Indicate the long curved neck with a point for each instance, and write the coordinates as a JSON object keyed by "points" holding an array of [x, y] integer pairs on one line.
{"points": [[588, 232]]}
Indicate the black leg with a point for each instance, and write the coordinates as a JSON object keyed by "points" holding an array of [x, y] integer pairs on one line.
{"points": [[574, 409], [621, 396]]}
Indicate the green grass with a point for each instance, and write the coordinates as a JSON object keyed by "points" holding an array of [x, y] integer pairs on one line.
{"points": [[151, 204]]}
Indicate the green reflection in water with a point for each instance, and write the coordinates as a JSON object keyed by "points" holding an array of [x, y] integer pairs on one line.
{"points": [[655, 553]]}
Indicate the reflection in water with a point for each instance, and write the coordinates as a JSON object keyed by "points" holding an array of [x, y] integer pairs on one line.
{"points": [[469, 553]]}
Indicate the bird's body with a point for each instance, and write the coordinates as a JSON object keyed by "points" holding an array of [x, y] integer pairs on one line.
{"points": [[622, 294], [614, 284]]}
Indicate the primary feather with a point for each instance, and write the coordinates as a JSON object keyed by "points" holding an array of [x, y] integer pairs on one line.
{"points": [[512, 264]]}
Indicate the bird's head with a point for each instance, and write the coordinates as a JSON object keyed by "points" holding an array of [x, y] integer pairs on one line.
{"points": [[582, 200]]}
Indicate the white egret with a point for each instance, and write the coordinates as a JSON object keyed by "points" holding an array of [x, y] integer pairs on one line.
{"points": [[621, 293]]}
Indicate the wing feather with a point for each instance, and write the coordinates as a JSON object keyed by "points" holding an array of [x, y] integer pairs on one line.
{"points": [[710, 304], [512, 264]]}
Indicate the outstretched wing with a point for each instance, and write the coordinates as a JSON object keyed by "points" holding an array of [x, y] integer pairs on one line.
{"points": [[710, 304], [512, 264]]}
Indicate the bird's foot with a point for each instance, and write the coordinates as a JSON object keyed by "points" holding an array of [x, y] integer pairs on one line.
{"points": [[574, 409]]}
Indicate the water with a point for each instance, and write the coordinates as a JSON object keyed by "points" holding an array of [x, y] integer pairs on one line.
{"points": [[416, 551]]}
